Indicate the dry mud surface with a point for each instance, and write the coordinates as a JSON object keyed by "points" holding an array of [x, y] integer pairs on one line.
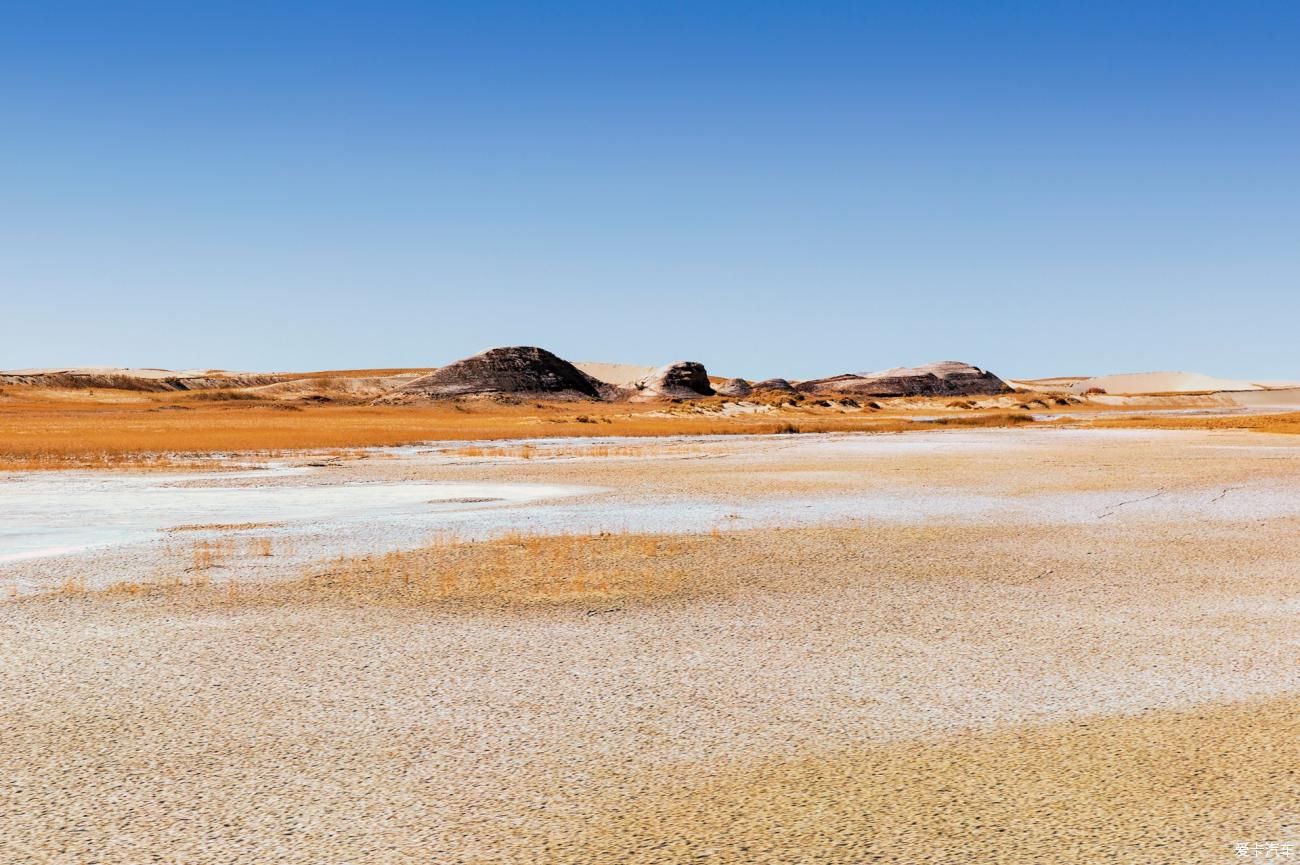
{"points": [[995, 646]]}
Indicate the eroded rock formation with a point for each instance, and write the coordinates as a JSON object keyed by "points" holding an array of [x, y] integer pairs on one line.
{"points": [[945, 378], [734, 387], [684, 379]]}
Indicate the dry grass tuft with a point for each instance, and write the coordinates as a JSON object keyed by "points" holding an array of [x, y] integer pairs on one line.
{"points": [[207, 555]]}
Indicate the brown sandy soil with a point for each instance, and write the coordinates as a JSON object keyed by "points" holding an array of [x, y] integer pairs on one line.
{"points": [[50, 428]]}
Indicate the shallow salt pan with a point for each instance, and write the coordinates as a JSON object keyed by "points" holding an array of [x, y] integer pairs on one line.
{"points": [[43, 515], [55, 513]]}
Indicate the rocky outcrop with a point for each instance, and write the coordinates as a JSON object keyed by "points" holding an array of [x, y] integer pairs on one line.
{"points": [[945, 378], [776, 385], [149, 381], [684, 379], [524, 371], [734, 387]]}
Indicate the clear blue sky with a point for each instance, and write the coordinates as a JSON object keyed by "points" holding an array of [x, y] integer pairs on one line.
{"points": [[771, 188]]}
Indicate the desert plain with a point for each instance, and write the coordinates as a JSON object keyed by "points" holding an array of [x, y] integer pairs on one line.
{"points": [[1023, 629]]}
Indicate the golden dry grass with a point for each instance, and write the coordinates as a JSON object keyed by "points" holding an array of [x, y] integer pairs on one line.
{"points": [[984, 420], [512, 569], [37, 433], [1284, 422], [517, 568]]}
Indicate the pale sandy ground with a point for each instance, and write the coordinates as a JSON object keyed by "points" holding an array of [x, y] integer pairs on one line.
{"points": [[1090, 657], [1278, 398]]}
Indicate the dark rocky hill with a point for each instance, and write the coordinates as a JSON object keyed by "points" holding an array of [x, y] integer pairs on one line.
{"points": [[509, 371]]}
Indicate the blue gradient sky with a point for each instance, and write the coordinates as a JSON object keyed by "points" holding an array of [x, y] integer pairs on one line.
{"points": [[794, 189]]}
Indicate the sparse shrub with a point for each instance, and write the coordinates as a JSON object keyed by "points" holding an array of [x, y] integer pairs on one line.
{"points": [[226, 396], [983, 420]]}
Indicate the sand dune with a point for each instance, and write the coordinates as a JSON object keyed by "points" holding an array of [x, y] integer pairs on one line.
{"points": [[1280, 398], [1055, 383], [1161, 382], [615, 373]]}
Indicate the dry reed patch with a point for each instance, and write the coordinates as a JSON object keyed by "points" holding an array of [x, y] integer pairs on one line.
{"points": [[221, 527], [209, 554], [536, 571], [508, 571], [518, 568], [531, 451], [1163, 787], [990, 419], [1286, 423], [523, 452], [46, 461], [189, 568]]}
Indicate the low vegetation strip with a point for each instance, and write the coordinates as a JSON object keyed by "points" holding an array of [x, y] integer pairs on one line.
{"points": [[511, 570], [1285, 422], [36, 435]]}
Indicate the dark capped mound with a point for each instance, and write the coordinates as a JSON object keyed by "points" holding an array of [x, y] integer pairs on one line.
{"points": [[734, 387], [684, 379], [511, 371], [778, 385], [945, 378]]}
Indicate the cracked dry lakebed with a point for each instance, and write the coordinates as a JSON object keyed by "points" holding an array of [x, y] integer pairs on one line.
{"points": [[952, 646]]}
